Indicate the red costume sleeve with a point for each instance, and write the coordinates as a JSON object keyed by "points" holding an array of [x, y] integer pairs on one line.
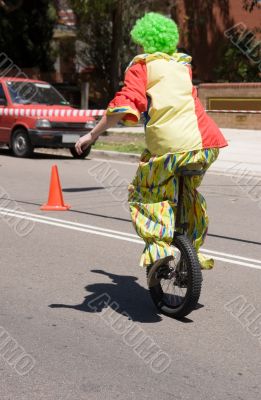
{"points": [[131, 100]]}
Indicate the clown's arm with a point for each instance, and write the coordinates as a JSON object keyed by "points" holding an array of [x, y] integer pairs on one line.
{"points": [[127, 106]]}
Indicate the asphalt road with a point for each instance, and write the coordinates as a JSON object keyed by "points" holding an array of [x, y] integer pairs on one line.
{"points": [[75, 311]]}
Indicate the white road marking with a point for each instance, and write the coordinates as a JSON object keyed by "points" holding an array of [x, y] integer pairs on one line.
{"points": [[44, 217], [129, 237], [254, 260], [230, 261], [68, 226]]}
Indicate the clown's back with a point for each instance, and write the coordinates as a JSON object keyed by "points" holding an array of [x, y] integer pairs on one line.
{"points": [[175, 119]]}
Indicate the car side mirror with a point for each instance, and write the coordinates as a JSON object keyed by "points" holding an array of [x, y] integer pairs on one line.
{"points": [[3, 102]]}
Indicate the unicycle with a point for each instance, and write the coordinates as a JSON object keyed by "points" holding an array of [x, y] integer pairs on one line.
{"points": [[175, 285]]}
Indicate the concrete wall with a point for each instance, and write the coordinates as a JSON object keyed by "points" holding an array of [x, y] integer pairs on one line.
{"points": [[232, 96]]}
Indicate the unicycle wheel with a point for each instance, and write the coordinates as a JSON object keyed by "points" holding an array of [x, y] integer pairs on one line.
{"points": [[175, 286]]}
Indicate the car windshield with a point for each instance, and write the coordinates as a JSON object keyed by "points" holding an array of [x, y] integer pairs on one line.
{"points": [[35, 93]]}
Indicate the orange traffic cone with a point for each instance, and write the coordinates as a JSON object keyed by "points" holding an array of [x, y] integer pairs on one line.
{"points": [[55, 199]]}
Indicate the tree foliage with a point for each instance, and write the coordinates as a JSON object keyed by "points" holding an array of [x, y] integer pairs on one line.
{"points": [[249, 5], [104, 27], [26, 30], [235, 67], [10, 5], [241, 55]]}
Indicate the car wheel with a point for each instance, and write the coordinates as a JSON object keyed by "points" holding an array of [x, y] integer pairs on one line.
{"points": [[21, 145], [84, 154]]}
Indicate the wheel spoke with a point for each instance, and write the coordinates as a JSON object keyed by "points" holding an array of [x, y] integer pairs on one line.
{"points": [[175, 288]]}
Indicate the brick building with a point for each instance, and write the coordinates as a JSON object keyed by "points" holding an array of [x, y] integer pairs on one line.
{"points": [[203, 24], [64, 40]]}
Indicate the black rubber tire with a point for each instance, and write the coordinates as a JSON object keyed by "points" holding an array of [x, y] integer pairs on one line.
{"points": [[21, 145], [84, 154], [194, 281]]}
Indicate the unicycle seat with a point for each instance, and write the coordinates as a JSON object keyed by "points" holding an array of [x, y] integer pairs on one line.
{"points": [[184, 171]]}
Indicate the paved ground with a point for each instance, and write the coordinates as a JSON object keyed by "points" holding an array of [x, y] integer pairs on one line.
{"points": [[51, 278], [242, 154]]}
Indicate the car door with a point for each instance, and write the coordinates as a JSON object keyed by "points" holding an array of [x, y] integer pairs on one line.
{"points": [[4, 128]]}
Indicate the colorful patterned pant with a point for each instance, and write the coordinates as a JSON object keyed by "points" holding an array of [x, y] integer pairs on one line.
{"points": [[153, 197]]}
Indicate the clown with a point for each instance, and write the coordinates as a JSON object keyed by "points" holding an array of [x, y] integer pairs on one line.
{"points": [[178, 133]]}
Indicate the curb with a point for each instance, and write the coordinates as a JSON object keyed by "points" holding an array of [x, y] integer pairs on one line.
{"points": [[111, 155], [220, 167], [108, 154]]}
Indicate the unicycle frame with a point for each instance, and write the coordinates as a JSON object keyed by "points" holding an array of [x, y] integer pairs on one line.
{"points": [[182, 226], [186, 273]]}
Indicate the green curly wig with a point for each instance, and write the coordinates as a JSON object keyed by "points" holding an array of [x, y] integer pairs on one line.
{"points": [[154, 32]]}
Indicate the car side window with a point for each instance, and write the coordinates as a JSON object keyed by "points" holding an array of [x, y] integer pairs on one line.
{"points": [[2, 93]]}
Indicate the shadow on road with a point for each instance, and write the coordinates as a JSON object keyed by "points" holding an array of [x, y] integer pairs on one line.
{"points": [[123, 294], [39, 155], [83, 189]]}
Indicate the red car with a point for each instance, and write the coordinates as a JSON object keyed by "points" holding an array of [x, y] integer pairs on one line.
{"points": [[27, 120]]}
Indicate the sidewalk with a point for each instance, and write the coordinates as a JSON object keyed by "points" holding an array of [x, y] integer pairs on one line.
{"points": [[243, 152]]}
